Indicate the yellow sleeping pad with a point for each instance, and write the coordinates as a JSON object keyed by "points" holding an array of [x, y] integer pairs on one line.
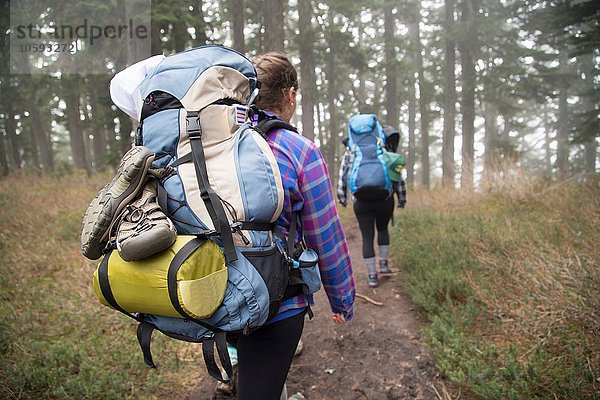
{"points": [[186, 280]]}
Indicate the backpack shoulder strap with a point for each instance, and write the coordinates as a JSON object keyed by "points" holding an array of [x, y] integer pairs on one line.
{"points": [[266, 123]]}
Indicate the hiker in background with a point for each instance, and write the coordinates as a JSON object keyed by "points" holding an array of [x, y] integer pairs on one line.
{"points": [[395, 163], [265, 355], [373, 201]]}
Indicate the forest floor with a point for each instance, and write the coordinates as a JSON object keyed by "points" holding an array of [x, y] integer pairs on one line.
{"points": [[377, 355]]}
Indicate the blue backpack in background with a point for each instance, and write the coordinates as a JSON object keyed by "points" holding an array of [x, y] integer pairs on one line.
{"points": [[369, 178]]}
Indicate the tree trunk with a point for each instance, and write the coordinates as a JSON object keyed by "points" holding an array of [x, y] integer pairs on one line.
{"points": [[391, 91], [102, 121], [134, 54], [590, 155], [424, 120], [3, 157], [360, 93], [331, 96], [307, 67], [74, 126], [562, 156], [449, 101], [156, 36], [126, 129], [179, 32], [11, 133], [491, 133], [468, 102], [136, 49], [5, 82], [320, 123], [237, 24], [273, 24], [549, 126], [42, 139], [33, 147], [201, 38], [412, 112], [590, 143]]}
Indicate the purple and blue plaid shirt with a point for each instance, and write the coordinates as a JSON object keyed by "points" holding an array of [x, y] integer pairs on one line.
{"points": [[307, 190]]}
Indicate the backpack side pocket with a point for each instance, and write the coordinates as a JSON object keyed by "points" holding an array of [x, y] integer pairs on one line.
{"points": [[271, 265]]}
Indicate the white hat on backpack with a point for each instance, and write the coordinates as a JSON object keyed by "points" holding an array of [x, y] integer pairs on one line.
{"points": [[125, 86]]}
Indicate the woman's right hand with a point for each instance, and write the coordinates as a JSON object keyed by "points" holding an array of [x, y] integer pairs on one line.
{"points": [[338, 319]]}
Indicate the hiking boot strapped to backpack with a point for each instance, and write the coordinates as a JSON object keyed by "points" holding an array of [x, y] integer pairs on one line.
{"points": [[107, 205]]}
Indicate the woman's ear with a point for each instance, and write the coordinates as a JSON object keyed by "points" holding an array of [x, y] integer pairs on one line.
{"points": [[291, 95]]}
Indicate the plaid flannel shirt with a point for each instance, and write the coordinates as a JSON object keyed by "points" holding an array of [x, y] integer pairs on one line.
{"points": [[308, 190], [342, 186], [400, 190]]}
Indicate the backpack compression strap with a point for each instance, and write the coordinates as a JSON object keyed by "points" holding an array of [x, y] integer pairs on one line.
{"points": [[211, 199], [145, 329], [144, 335]]}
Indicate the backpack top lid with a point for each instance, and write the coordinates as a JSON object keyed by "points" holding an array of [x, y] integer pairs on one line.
{"points": [[365, 126], [362, 123], [178, 74]]}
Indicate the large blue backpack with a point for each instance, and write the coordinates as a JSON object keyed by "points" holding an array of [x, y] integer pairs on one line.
{"points": [[368, 173], [219, 181]]}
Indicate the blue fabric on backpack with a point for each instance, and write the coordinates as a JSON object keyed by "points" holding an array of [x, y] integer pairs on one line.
{"points": [[176, 73], [162, 143], [310, 274]]}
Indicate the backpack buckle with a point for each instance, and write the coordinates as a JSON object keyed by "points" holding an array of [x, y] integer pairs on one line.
{"points": [[194, 130], [288, 260]]}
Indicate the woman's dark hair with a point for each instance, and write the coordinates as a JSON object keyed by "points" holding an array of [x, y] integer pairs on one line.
{"points": [[276, 74]]}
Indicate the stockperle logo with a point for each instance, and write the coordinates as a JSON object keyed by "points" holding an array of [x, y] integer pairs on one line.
{"points": [[90, 37]]}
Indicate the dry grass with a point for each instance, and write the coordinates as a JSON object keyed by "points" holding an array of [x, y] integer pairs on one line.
{"points": [[510, 277], [549, 271], [48, 301]]}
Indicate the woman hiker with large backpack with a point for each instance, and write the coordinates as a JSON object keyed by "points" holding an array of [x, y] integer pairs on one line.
{"points": [[373, 175], [265, 356]]}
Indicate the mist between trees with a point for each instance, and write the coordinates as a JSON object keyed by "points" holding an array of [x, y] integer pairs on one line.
{"points": [[471, 84]]}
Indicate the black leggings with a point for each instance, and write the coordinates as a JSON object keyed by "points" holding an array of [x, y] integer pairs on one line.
{"points": [[371, 213], [265, 357]]}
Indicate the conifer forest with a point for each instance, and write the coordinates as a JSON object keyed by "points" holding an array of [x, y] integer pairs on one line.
{"points": [[476, 87]]}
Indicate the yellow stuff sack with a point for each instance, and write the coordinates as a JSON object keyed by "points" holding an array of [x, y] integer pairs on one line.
{"points": [[186, 280]]}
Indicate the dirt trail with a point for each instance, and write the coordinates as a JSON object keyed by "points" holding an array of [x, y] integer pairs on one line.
{"points": [[378, 355]]}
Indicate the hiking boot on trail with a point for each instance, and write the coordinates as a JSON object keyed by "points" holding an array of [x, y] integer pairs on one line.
{"points": [[384, 268], [299, 348], [143, 229], [372, 280], [226, 391], [110, 201]]}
